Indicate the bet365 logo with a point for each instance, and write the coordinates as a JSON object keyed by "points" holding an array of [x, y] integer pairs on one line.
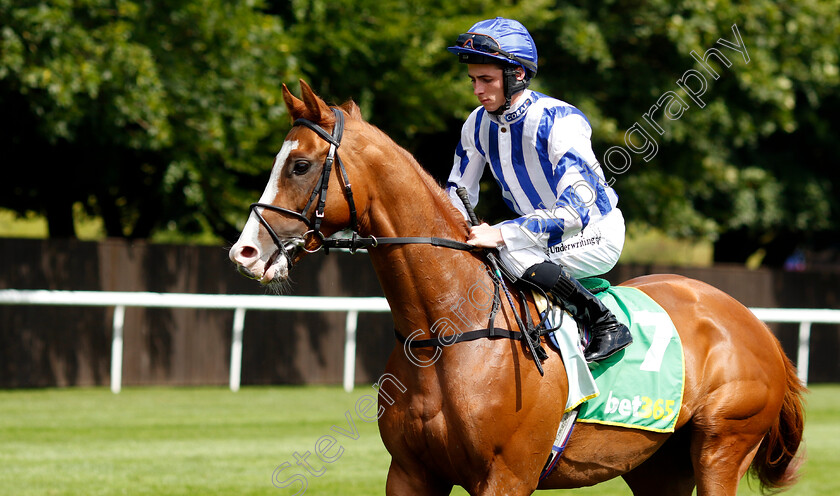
{"points": [[640, 407]]}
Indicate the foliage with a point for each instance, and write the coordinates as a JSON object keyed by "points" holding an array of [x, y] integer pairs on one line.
{"points": [[164, 116], [142, 111], [749, 167]]}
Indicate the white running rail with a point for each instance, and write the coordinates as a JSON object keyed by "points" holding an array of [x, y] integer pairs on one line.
{"points": [[239, 303], [352, 305]]}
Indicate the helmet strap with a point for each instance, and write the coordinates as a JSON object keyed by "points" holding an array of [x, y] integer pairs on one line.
{"points": [[511, 86]]}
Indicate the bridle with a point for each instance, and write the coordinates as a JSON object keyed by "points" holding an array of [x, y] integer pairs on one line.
{"points": [[319, 192], [318, 198]]}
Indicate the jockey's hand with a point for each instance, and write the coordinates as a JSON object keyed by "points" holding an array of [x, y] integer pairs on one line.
{"points": [[485, 236]]}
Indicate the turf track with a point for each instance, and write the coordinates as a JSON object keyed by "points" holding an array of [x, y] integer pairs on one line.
{"points": [[208, 441]]}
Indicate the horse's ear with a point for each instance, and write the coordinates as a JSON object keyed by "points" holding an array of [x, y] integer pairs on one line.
{"points": [[294, 105], [317, 110], [352, 109]]}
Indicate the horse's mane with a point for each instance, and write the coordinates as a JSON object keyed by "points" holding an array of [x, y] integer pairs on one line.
{"points": [[438, 193]]}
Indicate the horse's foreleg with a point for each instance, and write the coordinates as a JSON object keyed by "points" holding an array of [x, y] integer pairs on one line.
{"points": [[503, 480], [418, 482], [414, 481]]}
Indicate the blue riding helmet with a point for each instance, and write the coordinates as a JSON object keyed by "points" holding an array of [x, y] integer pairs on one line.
{"points": [[498, 40]]}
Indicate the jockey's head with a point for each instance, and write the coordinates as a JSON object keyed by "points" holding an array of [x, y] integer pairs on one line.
{"points": [[503, 42]]}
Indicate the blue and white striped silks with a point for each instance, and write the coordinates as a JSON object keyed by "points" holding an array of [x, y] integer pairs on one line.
{"points": [[541, 157]]}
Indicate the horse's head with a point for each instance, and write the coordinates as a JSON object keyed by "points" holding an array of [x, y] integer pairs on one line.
{"points": [[295, 213]]}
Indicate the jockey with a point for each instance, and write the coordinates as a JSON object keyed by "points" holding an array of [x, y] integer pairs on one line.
{"points": [[538, 149]]}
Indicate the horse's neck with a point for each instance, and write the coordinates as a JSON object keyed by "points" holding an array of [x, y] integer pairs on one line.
{"points": [[424, 284]]}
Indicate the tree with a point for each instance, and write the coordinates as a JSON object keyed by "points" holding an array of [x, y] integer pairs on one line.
{"points": [[746, 160], [389, 56], [715, 120], [742, 161], [147, 113]]}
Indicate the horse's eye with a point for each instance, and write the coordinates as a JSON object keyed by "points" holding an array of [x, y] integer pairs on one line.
{"points": [[301, 167]]}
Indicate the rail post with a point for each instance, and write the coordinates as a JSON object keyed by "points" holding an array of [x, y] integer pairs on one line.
{"points": [[802, 354], [236, 349], [350, 326], [117, 349]]}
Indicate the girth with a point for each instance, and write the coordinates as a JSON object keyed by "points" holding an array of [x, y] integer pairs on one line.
{"points": [[493, 332]]}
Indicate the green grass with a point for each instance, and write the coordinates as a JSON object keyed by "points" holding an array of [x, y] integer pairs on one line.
{"points": [[205, 441], [92, 228]]}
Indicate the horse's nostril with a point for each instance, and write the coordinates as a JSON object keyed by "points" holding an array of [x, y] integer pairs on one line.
{"points": [[248, 252]]}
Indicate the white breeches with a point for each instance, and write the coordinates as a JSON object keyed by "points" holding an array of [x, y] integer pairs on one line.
{"points": [[591, 252]]}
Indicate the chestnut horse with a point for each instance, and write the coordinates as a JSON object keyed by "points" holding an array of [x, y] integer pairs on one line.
{"points": [[477, 413]]}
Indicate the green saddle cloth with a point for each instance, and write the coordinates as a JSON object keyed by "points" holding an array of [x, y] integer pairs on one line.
{"points": [[641, 386]]}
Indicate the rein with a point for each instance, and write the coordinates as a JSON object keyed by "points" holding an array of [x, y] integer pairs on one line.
{"points": [[530, 333]]}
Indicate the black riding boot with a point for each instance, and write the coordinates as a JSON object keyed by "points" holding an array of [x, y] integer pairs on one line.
{"points": [[608, 334]]}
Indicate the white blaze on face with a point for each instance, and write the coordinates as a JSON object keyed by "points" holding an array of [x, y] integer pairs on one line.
{"points": [[241, 252], [251, 229]]}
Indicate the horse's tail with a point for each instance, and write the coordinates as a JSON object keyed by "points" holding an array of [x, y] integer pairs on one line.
{"points": [[776, 463]]}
